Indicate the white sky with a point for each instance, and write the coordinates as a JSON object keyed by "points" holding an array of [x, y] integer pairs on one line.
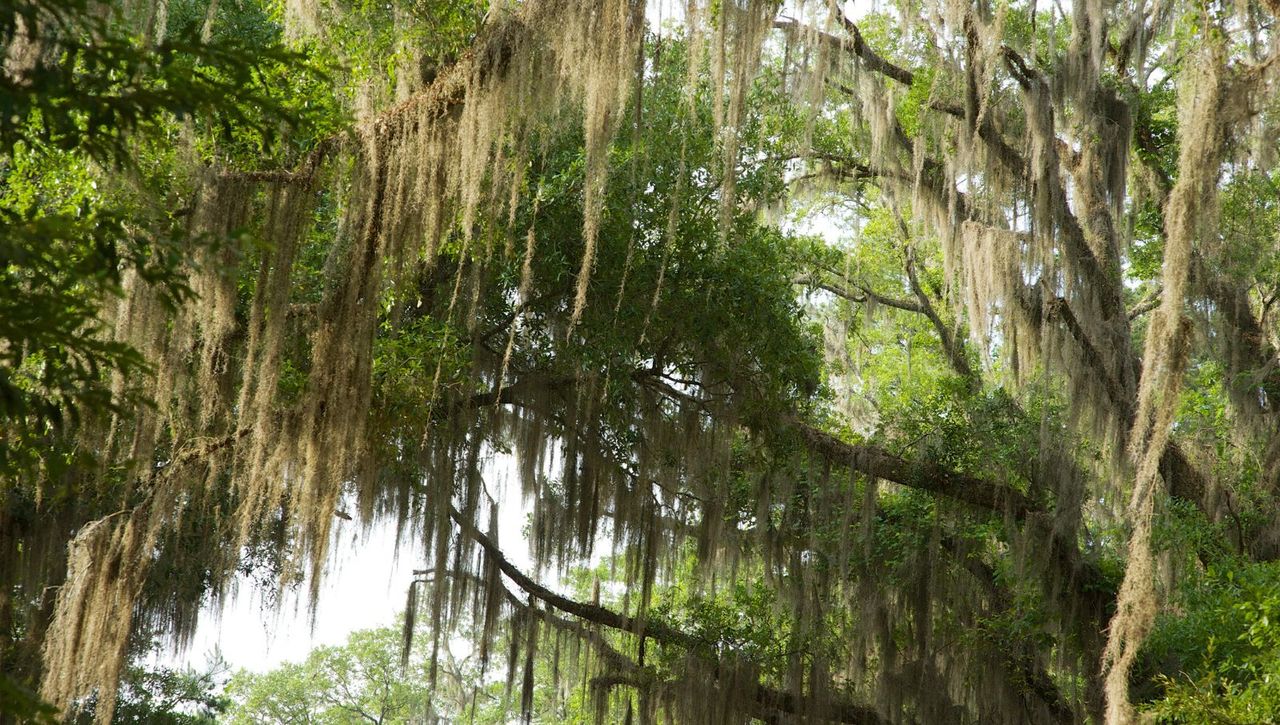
{"points": [[365, 588]]}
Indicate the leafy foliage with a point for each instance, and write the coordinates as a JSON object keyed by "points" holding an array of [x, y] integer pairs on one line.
{"points": [[359, 681], [73, 228], [840, 349]]}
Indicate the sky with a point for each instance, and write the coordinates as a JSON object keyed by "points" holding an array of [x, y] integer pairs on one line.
{"points": [[365, 588]]}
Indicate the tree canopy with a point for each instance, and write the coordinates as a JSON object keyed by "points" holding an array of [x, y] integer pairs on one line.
{"points": [[904, 364]]}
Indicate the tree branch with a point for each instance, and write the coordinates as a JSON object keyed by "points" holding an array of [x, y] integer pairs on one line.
{"points": [[953, 347], [870, 58], [657, 630], [1145, 305], [1026, 674], [879, 463], [867, 294]]}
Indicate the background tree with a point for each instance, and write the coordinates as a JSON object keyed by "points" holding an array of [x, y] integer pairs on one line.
{"points": [[359, 681], [158, 694]]}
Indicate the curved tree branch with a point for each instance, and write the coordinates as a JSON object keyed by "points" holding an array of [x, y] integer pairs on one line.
{"points": [[780, 700]]}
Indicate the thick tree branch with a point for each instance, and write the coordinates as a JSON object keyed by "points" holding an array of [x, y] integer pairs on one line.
{"points": [[879, 463], [869, 57], [655, 629]]}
